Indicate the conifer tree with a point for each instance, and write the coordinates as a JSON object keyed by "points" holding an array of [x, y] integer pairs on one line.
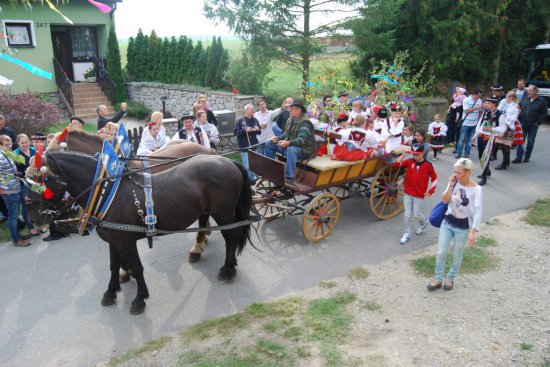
{"points": [[223, 64], [209, 65], [186, 62], [137, 56], [130, 62], [195, 58], [151, 59], [200, 68], [113, 66], [178, 60]]}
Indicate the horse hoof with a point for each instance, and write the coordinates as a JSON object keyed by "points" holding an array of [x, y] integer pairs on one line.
{"points": [[193, 258], [107, 301], [137, 309], [124, 278], [227, 274]]}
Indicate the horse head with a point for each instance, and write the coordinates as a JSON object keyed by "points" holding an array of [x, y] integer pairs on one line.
{"points": [[74, 171], [49, 204]]}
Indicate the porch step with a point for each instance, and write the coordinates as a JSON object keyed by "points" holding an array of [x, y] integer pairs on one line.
{"points": [[86, 98], [83, 86]]}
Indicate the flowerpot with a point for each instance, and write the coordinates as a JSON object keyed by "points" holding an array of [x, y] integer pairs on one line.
{"points": [[91, 79]]}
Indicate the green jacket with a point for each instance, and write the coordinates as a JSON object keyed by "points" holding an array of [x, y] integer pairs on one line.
{"points": [[300, 133]]}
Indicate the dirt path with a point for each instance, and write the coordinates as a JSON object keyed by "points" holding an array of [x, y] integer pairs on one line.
{"points": [[498, 318]]}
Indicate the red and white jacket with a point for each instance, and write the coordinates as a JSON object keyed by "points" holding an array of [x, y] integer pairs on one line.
{"points": [[418, 176]]}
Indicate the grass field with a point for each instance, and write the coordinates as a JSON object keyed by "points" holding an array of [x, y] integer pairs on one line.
{"points": [[287, 81]]}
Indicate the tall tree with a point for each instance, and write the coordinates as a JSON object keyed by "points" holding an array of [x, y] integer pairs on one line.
{"points": [[113, 66], [130, 58], [223, 64], [177, 75], [194, 72], [171, 60], [151, 59], [283, 28]]}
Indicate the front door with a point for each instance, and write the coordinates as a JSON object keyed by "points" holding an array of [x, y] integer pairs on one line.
{"points": [[63, 51]]}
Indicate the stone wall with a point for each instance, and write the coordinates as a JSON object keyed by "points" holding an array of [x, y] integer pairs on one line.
{"points": [[428, 107], [181, 100], [55, 98]]}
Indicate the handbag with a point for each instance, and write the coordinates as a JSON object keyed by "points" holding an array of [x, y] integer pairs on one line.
{"points": [[437, 214]]}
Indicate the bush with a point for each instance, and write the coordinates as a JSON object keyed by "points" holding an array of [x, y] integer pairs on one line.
{"points": [[26, 113], [137, 110]]}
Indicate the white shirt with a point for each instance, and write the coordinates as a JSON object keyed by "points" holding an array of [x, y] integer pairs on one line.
{"points": [[146, 132], [442, 128], [211, 131], [266, 124], [470, 119], [511, 113], [396, 128], [191, 137]]}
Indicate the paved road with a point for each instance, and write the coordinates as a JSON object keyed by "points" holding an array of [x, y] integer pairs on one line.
{"points": [[50, 292]]}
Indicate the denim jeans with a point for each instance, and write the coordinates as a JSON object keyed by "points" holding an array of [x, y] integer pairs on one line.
{"points": [[529, 135], [251, 175], [293, 154], [22, 194], [12, 203], [277, 130], [412, 206], [446, 234], [260, 149], [466, 135]]}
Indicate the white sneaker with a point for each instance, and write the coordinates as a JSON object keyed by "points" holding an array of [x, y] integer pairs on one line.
{"points": [[434, 158], [421, 228], [405, 238]]}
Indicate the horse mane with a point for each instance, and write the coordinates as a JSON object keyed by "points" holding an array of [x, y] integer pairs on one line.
{"points": [[74, 134]]}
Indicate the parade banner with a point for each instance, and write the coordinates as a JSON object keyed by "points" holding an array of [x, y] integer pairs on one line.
{"points": [[487, 153]]}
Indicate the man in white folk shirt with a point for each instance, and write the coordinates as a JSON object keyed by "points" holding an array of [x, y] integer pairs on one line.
{"points": [[191, 133]]}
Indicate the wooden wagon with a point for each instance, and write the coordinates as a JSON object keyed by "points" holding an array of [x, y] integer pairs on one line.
{"points": [[320, 185]]}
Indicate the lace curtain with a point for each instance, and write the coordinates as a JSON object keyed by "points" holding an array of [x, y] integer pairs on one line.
{"points": [[84, 42]]}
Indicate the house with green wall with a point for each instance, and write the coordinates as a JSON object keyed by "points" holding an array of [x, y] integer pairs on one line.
{"points": [[43, 38]]}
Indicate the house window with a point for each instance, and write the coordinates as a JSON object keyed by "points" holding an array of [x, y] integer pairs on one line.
{"points": [[84, 42], [19, 33]]}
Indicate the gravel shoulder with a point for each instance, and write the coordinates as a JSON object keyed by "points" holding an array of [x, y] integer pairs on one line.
{"points": [[497, 318]]}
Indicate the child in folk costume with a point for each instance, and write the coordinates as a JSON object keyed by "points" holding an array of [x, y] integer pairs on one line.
{"points": [[332, 141], [355, 143], [357, 109], [408, 135], [438, 134], [395, 128], [419, 173], [380, 120], [513, 126], [156, 117], [152, 142], [420, 138]]}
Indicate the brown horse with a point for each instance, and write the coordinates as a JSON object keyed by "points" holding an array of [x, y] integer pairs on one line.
{"points": [[205, 185], [84, 142]]}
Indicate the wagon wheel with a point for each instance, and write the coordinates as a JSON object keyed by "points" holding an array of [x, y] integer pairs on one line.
{"points": [[262, 205], [321, 216], [386, 192]]}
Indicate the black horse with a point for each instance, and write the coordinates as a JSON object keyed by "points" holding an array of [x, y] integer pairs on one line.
{"points": [[203, 186]]}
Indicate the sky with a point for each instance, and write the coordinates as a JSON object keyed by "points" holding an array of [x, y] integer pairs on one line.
{"points": [[179, 17], [167, 18]]}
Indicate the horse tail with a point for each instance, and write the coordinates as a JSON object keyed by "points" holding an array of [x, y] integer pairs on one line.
{"points": [[242, 211]]}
